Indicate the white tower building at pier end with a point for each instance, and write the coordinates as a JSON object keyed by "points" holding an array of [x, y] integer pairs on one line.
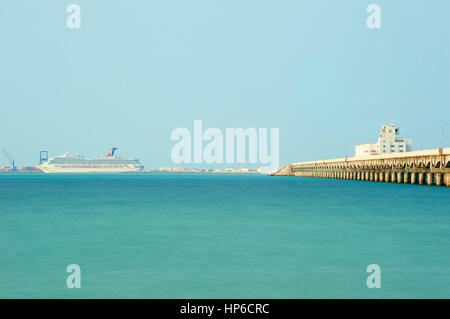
{"points": [[388, 142]]}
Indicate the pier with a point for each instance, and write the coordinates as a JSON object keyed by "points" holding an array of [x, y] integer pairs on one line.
{"points": [[429, 167]]}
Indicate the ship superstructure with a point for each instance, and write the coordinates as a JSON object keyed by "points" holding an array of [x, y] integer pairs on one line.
{"points": [[74, 163]]}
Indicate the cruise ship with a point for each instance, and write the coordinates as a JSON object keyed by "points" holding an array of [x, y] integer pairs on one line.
{"points": [[74, 163]]}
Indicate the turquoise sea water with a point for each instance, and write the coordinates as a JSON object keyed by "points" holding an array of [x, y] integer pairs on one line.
{"points": [[221, 236]]}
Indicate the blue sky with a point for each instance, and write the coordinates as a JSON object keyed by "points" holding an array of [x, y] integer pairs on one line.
{"points": [[136, 70]]}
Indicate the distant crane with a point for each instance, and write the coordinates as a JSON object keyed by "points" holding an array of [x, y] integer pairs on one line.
{"points": [[10, 159]]}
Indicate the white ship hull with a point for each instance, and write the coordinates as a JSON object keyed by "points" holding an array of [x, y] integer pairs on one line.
{"points": [[54, 169]]}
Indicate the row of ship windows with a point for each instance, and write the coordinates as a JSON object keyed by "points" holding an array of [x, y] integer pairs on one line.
{"points": [[91, 162], [90, 166]]}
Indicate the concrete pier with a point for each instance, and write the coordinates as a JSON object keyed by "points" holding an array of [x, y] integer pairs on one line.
{"points": [[431, 167]]}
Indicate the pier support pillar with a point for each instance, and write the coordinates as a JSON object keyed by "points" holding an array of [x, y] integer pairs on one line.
{"points": [[393, 177], [421, 178], [438, 179], [406, 177], [386, 177], [399, 177], [376, 175], [447, 179], [371, 176], [366, 176], [413, 178], [430, 179], [381, 176]]}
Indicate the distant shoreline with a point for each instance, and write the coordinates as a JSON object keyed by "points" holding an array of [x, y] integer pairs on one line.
{"points": [[139, 172]]}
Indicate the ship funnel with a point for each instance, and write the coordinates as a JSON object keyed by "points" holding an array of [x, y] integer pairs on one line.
{"points": [[111, 152]]}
